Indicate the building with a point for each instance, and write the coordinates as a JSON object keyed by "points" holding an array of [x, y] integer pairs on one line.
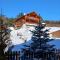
{"points": [[30, 19]]}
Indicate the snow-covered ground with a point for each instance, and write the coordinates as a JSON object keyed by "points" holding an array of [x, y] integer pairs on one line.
{"points": [[56, 41], [18, 37], [24, 34], [52, 29], [19, 47]]}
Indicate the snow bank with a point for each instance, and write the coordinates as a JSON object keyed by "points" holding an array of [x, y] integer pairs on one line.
{"points": [[24, 34], [56, 42], [52, 29], [21, 35]]}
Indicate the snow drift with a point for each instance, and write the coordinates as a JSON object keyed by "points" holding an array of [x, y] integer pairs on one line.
{"points": [[22, 36]]}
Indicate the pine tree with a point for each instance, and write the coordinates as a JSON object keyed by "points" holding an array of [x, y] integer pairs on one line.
{"points": [[40, 46], [4, 36]]}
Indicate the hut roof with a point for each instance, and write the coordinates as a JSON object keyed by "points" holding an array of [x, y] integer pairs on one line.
{"points": [[30, 18]]}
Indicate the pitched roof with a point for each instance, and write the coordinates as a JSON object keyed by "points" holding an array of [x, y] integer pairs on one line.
{"points": [[30, 18]]}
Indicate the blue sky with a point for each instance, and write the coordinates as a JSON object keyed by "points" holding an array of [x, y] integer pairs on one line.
{"points": [[48, 9]]}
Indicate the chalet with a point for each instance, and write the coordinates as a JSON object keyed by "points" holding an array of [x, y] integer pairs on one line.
{"points": [[30, 19]]}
